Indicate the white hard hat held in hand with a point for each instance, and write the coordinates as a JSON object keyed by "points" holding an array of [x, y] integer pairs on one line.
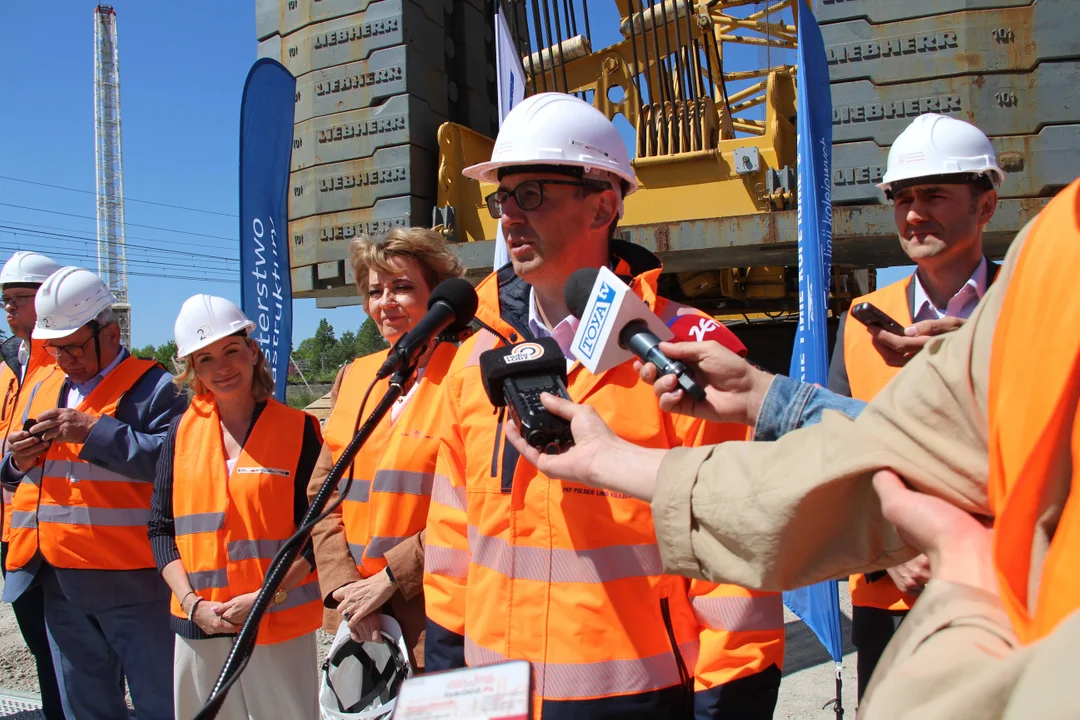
{"points": [[205, 319], [67, 300], [556, 129], [27, 267], [936, 148]]}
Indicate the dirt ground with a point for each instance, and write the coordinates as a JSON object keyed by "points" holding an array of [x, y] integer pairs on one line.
{"points": [[809, 675]]}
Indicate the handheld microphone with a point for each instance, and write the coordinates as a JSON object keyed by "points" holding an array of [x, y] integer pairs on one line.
{"points": [[451, 306], [515, 375], [694, 327], [616, 325]]}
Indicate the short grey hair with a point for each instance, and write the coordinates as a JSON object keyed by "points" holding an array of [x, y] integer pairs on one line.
{"points": [[105, 317]]}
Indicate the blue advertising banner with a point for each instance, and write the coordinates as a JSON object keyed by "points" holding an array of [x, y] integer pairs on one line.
{"points": [[266, 137], [817, 605]]}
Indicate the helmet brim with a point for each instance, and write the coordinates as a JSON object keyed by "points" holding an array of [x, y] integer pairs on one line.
{"points": [[246, 328], [489, 171]]}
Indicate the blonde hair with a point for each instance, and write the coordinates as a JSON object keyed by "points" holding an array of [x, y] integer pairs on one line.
{"points": [[427, 247], [262, 382]]}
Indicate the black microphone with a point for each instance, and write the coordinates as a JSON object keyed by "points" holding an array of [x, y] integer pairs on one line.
{"points": [[451, 306], [635, 334]]}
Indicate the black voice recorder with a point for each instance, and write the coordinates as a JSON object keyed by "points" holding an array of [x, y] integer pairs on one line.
{"points": [[515, 375]]}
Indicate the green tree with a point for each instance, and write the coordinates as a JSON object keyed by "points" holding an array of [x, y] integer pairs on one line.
{"points": [[165, 354], [146, 353], [369, 340]]}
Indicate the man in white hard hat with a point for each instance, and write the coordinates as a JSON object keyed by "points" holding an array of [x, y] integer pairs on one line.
{"points": [[942, 178], [24, 361], [519, 566], [83, 473]]}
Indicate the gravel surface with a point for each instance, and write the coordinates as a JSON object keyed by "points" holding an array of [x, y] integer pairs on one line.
{"points": [[808, 674]]}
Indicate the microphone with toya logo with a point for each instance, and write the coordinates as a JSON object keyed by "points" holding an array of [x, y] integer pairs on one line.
{"points": [[616, 325]]}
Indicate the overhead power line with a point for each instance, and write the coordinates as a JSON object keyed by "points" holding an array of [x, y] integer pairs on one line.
{"points": [[129, 224], [61, 237], [93, 238], [164, 272], [126, 199], [151, 264]]}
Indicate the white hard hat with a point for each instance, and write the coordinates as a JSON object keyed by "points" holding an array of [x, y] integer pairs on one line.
{"points": [[27, 267], [360, 681], [67, 300], [935, 145], [557, 129], [205, 319]]}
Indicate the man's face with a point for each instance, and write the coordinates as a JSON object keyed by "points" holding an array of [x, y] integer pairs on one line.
{"points": [[936, 221], [545, 243], [19, 308], [76, 353]]}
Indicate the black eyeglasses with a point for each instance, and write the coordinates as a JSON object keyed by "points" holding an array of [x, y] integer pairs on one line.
{"points": [[530, 194], [17, 301], [72, 351]]}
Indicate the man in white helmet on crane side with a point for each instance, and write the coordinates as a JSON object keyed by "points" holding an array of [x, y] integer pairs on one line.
{"points": [[942, 177], [519, 566], [83, 475], [24, 361]]}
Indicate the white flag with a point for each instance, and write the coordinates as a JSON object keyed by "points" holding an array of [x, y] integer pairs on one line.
{"points": [[511, 88]]}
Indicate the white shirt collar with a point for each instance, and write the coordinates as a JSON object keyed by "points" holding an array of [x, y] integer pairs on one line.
{"points": [[563, 333], [960, 305]]}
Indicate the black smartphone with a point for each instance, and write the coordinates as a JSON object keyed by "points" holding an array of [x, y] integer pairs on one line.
{"points": [[869, 315], [31, 422]]}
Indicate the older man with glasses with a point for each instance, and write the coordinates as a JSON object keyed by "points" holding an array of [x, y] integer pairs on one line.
{"points": [[83, 471]]}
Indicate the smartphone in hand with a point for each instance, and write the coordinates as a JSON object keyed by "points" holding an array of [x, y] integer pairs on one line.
{"points": [[31, 422], [871, 316]]}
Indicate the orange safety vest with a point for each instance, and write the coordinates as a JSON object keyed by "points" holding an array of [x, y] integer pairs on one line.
{"points": [[1034, 421], [392, 474], [569, 577], [82, 515], [12, 415], [867, 374], [229, 526]]}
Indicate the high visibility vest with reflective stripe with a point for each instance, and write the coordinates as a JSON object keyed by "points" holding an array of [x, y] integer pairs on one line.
{"points": [[12, 413], [82, 515], [569, 577], [392, 474], [1034, 422], [229, 526], [867, 374]]}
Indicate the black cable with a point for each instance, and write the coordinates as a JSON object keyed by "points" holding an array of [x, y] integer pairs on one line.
{"points": [[550, 46], [585, 13], [138, 263], [92, 217], [62, 237], [244, 644], [540, 44], [126, 199], [559, 44], [94, 237]]}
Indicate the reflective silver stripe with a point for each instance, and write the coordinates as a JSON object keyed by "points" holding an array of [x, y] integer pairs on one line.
{"points": [[32, 477], [357, 552], [597, 565], [198, 523], [358, 491], [380, 545], [740, 614], [8, 496], [446, 494], [252, 549], [82, 471], [298, 596], [446, 561], [23, 519], [569, 681], [205, 579], [405, 482], [101, 517]]}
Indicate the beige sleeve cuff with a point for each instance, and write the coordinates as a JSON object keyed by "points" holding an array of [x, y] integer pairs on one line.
{"points": [[672, 510]]}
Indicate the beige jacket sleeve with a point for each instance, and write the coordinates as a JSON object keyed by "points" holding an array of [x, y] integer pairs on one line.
{"points": [[332, 558], [955, 655], [779, 515]]}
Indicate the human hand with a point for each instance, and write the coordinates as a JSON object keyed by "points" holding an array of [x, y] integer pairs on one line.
{"points": [[734, 389], [958, 545], [207, 617], [64, 425], [362, 599], [912, 576], [26, 449], [599, 457], [235, 611], [897, 350]]}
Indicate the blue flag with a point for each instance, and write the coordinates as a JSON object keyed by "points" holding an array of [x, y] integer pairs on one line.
{"points": [[817, 605], [266, 136]]}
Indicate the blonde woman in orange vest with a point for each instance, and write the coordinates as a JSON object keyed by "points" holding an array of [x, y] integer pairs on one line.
{"points": [[230, 490], [371, 550]]}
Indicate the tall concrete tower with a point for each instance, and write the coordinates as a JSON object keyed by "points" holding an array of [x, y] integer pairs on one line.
{"points": [[112, 254]]}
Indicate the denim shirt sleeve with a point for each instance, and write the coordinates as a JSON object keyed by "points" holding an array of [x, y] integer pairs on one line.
{"points": [[790, 404]]}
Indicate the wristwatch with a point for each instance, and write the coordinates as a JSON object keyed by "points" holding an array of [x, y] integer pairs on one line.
{"points": [[280, 596]]}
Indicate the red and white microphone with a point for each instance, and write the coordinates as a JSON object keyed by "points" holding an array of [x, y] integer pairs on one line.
{"points": [[693, 327]]}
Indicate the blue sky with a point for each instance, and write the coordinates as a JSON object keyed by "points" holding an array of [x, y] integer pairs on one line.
{"points": [[182, 70]]}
